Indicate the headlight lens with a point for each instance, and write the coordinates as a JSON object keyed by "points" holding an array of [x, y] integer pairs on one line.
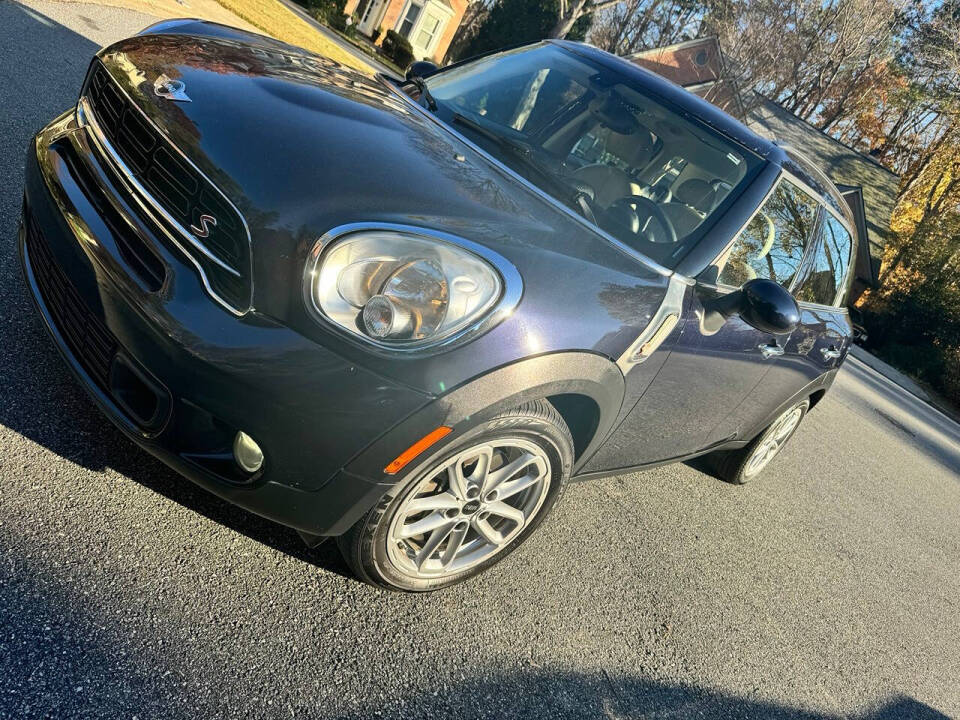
{"points": [[399, 289]]}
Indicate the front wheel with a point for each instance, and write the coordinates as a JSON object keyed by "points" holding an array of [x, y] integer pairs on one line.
{"points": [[466, 507], [741, 466]]}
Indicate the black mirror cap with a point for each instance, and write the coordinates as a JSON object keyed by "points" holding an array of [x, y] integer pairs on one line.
{"points": [[768, 307], [421, 69]]}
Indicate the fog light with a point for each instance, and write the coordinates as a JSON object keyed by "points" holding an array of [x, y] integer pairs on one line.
{"points": [[247, 453]]}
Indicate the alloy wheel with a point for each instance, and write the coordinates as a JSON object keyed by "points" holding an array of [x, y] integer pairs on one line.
{"points": [[468, 508], [774, 439]]}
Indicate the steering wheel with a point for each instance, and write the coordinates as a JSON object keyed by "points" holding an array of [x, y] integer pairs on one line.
{"points": [[639, 204]]}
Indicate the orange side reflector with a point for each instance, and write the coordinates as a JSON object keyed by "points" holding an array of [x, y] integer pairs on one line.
{"points": [[418, 447]]}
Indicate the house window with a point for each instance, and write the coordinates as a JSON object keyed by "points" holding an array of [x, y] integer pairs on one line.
{"points": [[409, 20], [429, 29]]}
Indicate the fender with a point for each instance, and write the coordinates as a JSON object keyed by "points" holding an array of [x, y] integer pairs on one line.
{"points": [[567, 373]]}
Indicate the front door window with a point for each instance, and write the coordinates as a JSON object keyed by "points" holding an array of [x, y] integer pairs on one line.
{"points": [[773, 243]]}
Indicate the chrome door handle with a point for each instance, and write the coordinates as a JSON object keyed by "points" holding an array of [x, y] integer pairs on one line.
{"points": [[830, 353], [770, 350]]}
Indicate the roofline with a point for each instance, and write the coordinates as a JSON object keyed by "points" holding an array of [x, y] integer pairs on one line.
{"points": [[828, 135], [674, 46]]}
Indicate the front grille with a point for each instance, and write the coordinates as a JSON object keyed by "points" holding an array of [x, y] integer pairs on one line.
{"points": [[91, 343], [177, 187]]}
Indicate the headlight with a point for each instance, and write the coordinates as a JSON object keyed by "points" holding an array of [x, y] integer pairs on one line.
{"points": [[400, 289]]}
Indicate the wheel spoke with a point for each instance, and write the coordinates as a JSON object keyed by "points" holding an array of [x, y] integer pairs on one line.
{"points": [[433, 542], [441, 501], [506, 472], [424, 525], [458, 483], [484, 455], [453, 545], [487, 532], [504, 510], [512, 487]]}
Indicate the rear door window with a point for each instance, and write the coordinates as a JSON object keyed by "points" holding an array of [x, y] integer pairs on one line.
{"points": [[828, 269], [771, 246]]}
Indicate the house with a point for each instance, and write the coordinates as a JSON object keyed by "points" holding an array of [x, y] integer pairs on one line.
{"points": [[869, 188], [429, 25]]}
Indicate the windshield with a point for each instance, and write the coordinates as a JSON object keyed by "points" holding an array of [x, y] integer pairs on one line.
{"points": [[590, 137]]}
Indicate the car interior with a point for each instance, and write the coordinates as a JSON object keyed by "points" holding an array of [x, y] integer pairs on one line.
{"points": [[627, 163]]}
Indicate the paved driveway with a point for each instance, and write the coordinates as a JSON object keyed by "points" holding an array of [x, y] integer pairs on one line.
{"points": [[832, 588]]}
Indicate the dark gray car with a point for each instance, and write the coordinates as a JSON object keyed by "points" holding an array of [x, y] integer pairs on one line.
{"points": [[407, 313]]}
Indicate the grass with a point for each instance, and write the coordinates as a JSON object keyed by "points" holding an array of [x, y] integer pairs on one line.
{"points": [[280, 22]]}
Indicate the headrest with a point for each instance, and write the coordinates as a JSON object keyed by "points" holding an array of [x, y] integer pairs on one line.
{"points": [[636, 149], [696, 193], [613, 114]]}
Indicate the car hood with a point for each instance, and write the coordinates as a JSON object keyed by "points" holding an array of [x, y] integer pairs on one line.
{"points": [[303, 145]]}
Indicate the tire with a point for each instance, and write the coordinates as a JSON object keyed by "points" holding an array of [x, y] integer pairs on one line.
{"points": [[743, 465], [377, 548]]}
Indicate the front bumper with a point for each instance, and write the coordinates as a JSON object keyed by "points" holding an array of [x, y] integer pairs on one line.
{"points": [[179, 374]]}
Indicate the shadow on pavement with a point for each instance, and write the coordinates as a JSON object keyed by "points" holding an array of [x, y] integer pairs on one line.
{"points": [[60, 658]]}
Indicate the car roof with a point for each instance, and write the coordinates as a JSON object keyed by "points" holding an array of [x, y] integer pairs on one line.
{"points": [[683, 100]]}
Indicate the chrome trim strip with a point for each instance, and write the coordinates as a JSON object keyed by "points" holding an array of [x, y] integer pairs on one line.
{"points": [[82, 118], [623, 247], [511, 286], [672, 304], [141, 197]]}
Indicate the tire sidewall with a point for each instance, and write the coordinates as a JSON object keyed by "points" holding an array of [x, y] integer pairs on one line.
{"points": [[372, 531]]}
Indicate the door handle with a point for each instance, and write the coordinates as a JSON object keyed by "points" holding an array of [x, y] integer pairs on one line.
{"points": [[769, 350], [830, 353]]}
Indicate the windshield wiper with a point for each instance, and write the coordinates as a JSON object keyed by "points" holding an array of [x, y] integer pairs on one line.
{"points": [[421, 85]]}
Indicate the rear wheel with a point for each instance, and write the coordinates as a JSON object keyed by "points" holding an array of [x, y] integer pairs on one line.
{"points": [[741, 466], [468, 506]]}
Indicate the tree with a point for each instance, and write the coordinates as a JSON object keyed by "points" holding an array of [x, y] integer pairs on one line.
{"points": [[634, 25], [473, 18], [511, 22], [817, 58], [916, 310], [570, 12]]}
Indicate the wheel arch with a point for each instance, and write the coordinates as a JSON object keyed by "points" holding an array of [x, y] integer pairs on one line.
{"points": [[587, 390]]}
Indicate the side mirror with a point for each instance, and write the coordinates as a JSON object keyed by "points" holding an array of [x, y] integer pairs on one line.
{"points": [[768, 307], [761, 303], [421, 68]]}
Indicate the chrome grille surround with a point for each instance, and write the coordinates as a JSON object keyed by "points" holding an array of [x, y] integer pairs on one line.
{"points": [[168, 187]]}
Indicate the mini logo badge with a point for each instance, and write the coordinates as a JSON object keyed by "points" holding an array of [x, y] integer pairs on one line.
{"points": [[171, 89], [206, 222]]}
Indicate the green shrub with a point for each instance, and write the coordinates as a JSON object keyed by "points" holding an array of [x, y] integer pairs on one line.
{"points": [[398, 48], [337, 20]]}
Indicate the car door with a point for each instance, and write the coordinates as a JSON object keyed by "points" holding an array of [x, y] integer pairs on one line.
{"points": [[699, 397], [821, 339]]}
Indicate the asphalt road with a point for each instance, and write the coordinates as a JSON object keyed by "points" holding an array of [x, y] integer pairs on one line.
{"points": [[831, 588]]}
